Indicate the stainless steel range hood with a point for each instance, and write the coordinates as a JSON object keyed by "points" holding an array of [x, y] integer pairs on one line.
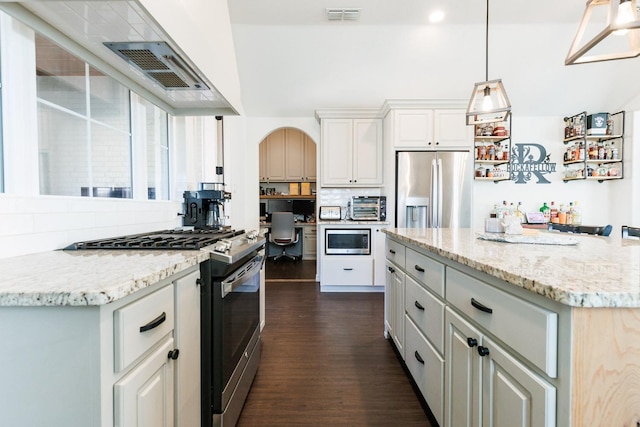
{"points": [[159, 62], [123, 40]]}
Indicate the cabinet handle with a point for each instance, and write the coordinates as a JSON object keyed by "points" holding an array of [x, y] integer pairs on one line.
{"points": [[480, 306], [154, 323], [391, 270], [420, 269], [173, 354], [483, 351], [418, 357], [472, 342], [437, 142], [417, 304], [347, 269], [198, 281], [392, 251]]}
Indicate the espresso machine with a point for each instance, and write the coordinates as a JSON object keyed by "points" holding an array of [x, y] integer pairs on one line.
{"points": [[204, 209]]}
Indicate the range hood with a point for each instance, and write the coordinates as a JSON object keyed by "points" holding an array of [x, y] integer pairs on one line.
{"points": [[159, 62], [123, 40]]}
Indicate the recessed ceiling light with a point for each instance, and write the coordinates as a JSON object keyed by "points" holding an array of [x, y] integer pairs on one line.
{"points": [[436, 16]]}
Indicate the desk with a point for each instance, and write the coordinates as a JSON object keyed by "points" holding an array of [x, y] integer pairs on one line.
{"points": [[308, 239]]}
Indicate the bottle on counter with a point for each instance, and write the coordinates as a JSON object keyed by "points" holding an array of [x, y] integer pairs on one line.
{"points": [[546, 212], [520, 214], [553, 213], [570, 214], [576, 218], [562, 215]]}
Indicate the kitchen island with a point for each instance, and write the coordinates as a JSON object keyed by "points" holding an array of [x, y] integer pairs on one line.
{"points": [[92, 338], [546, 334]]}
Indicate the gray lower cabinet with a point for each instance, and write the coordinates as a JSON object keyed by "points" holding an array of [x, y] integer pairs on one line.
{"points": [[480, 356]]}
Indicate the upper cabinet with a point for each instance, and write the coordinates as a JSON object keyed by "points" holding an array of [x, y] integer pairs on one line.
{"points": [[594, 146], [351, 152], [287, 155], [430, 129]]}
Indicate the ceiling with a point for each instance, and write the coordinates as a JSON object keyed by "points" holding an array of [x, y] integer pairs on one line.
{"points": [[292, 60]]}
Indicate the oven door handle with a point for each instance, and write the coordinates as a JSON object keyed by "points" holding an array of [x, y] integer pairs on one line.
{"points": [[255, 265]]}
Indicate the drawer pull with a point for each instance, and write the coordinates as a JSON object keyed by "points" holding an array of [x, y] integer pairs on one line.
{"points": [[392, 251], [472, 342], [483, 351], [417, 304], [173, 354], [420, 269], [418, 357], [347, 269], [154, 323], [391, 270], [480, 306]]}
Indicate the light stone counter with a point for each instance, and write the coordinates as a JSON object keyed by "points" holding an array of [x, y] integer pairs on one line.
{"points": [[596, 272], [88, 277]]}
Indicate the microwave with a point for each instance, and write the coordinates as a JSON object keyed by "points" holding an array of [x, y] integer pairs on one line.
{"points": [[342, 241], [369, 208]]}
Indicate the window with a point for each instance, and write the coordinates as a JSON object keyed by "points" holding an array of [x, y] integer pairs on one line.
{"points": [[84, 137], [157, 143]]}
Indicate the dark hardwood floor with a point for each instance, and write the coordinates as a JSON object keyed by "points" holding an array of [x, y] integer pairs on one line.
{"points": [[325, 362]]}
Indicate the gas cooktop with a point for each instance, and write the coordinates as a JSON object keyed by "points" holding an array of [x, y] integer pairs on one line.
{"points": [[166, 239]]}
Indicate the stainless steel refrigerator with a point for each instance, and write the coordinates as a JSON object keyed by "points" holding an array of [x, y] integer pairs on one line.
{"points": [[433, 189]]}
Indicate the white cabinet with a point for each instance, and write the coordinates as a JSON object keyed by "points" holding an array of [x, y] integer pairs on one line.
{"points": [[486, 382], [309, 242], [351, 152], [145, 396], [347, 270], [92, 366], [429, 128], [394, 303]]}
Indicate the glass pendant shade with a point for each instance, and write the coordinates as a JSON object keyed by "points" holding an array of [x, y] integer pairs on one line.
{"points": [[489, 103], [611, 29]]}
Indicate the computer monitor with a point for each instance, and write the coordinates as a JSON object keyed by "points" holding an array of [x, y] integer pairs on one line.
{"points": [[304, 207], [280, 206]]}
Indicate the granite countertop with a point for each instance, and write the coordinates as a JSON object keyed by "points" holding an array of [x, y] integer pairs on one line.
{"points": [[595, 272], [88, 277]]}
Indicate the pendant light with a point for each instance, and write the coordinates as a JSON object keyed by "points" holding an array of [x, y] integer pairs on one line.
{"points": [[619, 39], [489, 102]]}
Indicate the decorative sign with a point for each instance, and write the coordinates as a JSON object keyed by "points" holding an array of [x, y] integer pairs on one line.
{"points": [[530, 159]]}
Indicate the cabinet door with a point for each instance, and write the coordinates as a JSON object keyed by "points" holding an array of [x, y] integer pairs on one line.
{"points": [[413, 128], [187, 339], [337, 151], [367, 152], [275, 150], [309, 243], [310, 157], [294, 155], [395, 281], [512, 394], [451, 130], [462, 385], [145, 396], [262, 160]]}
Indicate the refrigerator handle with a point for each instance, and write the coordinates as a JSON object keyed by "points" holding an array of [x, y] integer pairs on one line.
{"points": [[433, 195], [440, 191]]}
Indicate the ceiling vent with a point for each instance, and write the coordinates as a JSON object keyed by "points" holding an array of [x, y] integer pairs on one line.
{"points": [[159, 62], [337, 14]]}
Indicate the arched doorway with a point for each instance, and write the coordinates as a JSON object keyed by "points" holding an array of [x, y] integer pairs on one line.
{"points": [[287, 160]]}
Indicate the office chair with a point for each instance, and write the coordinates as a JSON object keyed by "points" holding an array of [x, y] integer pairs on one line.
{"points": [[628, 232], [283, 234]]}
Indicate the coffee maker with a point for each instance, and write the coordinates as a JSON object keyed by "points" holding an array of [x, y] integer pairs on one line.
{"points": [[204, 209]]}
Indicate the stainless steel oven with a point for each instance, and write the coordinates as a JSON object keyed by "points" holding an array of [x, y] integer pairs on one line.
{"points": [[230, 336], [343, 241]]}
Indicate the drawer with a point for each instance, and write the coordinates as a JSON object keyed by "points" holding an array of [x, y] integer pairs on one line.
{"points": [[395, 252], [426, 367], [347, 270], [140, 325], [426, 271], [426, 311], [529, 329], [309, 231]]}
